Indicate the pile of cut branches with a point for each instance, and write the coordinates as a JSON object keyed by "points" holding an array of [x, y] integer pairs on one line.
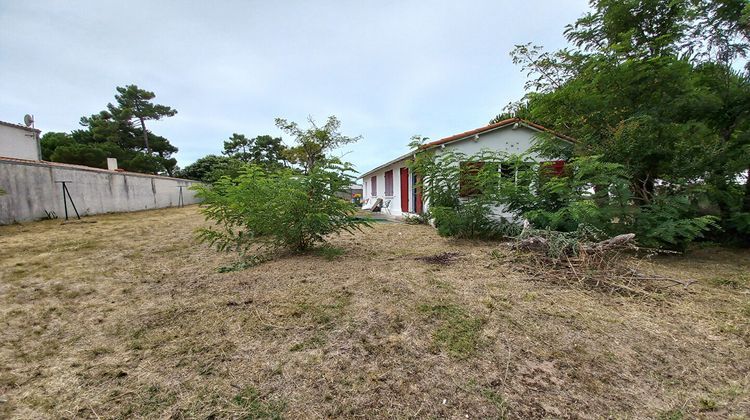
{"points": [[615, 265]]}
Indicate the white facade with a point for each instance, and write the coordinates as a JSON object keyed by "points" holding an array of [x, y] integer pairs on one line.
{"points": [[516, 136], [392, 203], [17, 141], [505, 139]]}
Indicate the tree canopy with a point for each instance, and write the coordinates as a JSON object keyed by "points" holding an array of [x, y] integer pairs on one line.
{"points": [[265, 150], [312, 147], [659, 87], [314, 142], [211, 168], [113, 133], [134, 105]]}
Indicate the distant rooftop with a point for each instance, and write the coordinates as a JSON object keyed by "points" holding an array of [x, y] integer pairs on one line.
{"points": [[22, 127]]}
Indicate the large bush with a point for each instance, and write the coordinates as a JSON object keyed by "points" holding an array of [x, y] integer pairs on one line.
{"points": [[597, 194], [466, 195], [585, 192], [670, 222], [260, 210]]}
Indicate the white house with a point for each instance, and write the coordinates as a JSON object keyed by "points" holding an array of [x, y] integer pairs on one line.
{"points": [[17, 141], [393, 181]]}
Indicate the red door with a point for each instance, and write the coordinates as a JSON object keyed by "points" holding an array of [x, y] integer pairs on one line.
{"points": [[405, 189]]}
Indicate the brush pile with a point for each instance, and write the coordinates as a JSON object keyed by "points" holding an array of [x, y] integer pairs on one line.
{"points": [[614, 265]]}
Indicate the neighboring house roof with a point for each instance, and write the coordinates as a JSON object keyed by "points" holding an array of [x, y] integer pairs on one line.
{"points": [[475, 132], [22, 127]]}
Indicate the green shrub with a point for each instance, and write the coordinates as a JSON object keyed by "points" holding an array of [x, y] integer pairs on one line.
{"points": [[262, 210], [669, 222], [418, 219], [589, 192], [740, 223], [461, 191], [467, 220]]}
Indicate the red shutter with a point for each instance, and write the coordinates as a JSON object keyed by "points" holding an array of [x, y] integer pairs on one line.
{"points": [[554, 168], [559, 167], [374, 186], [389, 183]]}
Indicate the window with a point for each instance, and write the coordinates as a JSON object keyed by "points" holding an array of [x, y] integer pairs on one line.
{"points": [[468, 180], [374, 186], [510, 170], [389, 183], [507, 170]]}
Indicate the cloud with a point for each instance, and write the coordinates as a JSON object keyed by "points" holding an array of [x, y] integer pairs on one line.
{"points": [[387, 69]]}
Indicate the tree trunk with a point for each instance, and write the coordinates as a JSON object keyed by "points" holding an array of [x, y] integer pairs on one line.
{"points": [[643, 188], [746, 200], [145, 136], [310, 164]]}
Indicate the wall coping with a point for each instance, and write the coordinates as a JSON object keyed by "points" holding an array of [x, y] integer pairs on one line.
{"points": [[70, 166]]}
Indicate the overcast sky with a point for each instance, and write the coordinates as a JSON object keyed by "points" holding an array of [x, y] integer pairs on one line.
{"points": [[387, 69]]}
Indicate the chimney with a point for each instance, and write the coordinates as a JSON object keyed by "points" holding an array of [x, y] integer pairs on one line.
{"points": [[112, 164]]}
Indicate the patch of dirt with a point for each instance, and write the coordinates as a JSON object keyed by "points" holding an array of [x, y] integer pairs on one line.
{"points": [[130, 317], [443, 258]]}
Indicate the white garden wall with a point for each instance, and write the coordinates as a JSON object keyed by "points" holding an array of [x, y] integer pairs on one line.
{"points": [[31, 189]]}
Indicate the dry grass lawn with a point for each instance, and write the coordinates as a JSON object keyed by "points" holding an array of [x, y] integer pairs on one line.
{"points": [[130, 317]]}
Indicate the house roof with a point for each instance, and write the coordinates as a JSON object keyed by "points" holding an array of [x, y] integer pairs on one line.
{"points": [[495, 126], [475, 132], [21, 127], [390, 162]]}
